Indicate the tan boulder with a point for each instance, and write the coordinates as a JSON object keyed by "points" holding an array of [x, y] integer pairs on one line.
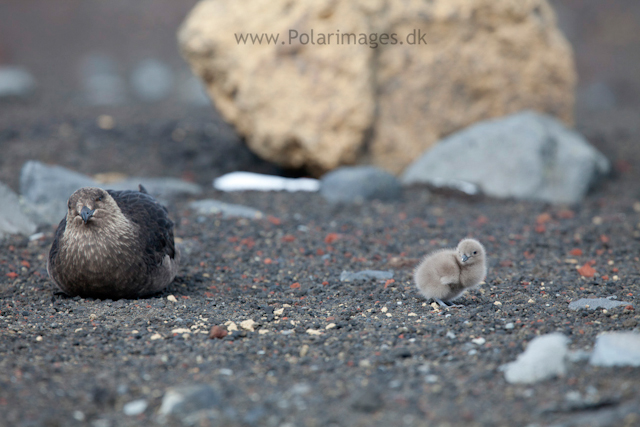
{"points": [[317, 102]]}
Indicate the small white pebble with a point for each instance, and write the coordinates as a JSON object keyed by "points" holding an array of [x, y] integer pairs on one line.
{"points": [[156, 336], [313, 332], [263, 331], [248, 325], [330, 326], [498, 303], [172, 298], [134, 408], [531, 301], [39, 338], [479, 341], [509, 325], [384, 309], [411, 314], [278, 312]]}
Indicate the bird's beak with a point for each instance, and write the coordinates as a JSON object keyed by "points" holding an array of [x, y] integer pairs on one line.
{"points": [[464, 257], [86, 213]]}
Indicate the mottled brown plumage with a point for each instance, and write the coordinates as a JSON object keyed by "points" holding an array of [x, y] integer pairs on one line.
{"points": [[113, 244], [446, 274]]}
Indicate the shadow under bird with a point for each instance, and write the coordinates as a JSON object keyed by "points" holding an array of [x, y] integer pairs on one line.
{"points": [[446, 274], [113, 244]]}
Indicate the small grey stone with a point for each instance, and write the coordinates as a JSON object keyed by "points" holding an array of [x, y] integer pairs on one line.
{"points": [[12, 218], [349, 276], [135, 407], [228, 210], [101, 81], [16, 82], [182, 401], [616, 349], [544, 358], [367, 400], [358, 183], [152, 80], [594, 303], [527, 156]]}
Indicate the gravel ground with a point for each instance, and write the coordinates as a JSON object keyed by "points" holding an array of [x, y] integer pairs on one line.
{"points": [[326, 352]]}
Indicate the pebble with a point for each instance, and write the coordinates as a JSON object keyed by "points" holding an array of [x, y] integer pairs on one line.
{"points": [[355, 184], [172, 298], [509, 325], [595, 303], [479, 341], [616, 349], [217, 332], [544, 358], [135, 408], [248, 325], [348, 276]]}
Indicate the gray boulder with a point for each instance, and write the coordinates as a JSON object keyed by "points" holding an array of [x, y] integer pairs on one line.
{"points": [[12, 218], [358, 183], [46, 189], [228, 210], [527, 156]]}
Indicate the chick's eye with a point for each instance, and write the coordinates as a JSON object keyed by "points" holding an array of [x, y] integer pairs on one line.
{"points": [[475, 252], [99, 199]]}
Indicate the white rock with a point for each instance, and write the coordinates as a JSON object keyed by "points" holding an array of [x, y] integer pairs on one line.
{"points": [[544, 358], [616, 349], [248, 325], [134, 408], [245, 181]]}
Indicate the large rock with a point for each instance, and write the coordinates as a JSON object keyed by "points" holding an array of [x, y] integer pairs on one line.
{"points": [[46, 189], [525, 156], [12, 218], [616, 349], [351, 184], [378, 94]]}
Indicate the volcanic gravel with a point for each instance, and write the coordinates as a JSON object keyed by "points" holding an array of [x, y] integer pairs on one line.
{"points": [[316, 351]]}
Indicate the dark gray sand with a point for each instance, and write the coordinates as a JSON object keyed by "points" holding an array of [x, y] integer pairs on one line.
{"points": [[340, 353]]}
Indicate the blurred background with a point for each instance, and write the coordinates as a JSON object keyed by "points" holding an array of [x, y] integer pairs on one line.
{"points": [[104, 88]]}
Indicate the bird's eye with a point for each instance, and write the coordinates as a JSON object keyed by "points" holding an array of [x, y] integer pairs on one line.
{"points": [[99, 199], [475, 252]]}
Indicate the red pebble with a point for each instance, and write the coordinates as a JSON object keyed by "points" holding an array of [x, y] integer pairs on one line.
{"points": [[217, 332]]}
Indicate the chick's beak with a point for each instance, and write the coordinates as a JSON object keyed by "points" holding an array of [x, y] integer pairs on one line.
{"points": [[464, 257], [86, 213]]}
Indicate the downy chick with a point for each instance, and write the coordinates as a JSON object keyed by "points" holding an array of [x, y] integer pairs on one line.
{"points": [[446, 274]]}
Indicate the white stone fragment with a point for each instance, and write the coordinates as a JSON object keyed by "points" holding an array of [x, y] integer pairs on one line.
{"points": [[544, 358], [616, 349]]}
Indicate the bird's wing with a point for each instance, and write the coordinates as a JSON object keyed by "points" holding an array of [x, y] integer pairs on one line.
{"points": [[55, 246], [156, 229], [448, 269]]}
